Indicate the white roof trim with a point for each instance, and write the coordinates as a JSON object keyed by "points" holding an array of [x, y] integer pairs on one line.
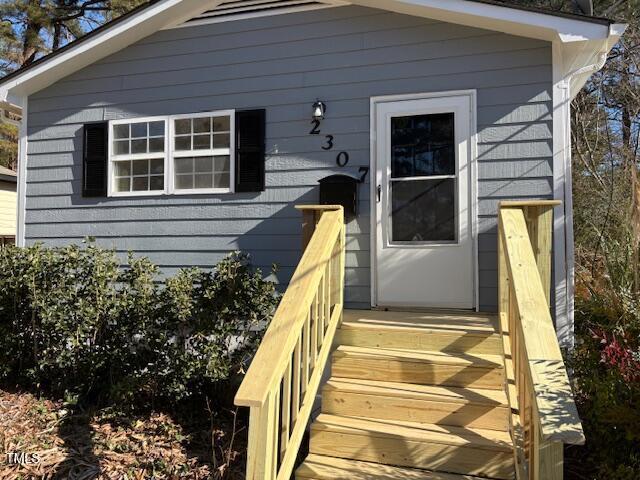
{"points": [[498, 18], [169, 13], [122, 34]]}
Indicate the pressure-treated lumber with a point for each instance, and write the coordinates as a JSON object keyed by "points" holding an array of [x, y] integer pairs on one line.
{"points": [[465, 407], [556, 410], [413, 366], [284, 377], [449, 449], [311, 215], [269, 363], [319, 467], [420, 331]]}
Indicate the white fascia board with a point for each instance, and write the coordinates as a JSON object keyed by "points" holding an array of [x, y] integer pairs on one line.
{"points": [[107, 42], [497, 18]]}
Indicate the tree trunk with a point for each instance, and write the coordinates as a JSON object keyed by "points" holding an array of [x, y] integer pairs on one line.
{"points": [[31, 36]]}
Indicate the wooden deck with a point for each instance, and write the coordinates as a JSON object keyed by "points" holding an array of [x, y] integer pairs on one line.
{"points": [[416, 395]]}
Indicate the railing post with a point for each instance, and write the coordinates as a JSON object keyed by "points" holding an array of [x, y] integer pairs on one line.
{"points": [[339, 267], [538, 215], [503, 278], [261, 454], [549, 459], [547, 414], [311, 215]]}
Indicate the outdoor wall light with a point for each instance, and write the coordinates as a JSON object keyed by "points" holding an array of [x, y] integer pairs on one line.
{"points": [[319, 109]]}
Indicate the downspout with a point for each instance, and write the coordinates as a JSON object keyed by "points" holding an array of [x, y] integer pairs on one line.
{"points": [[568, 187], [590, 69], [22, 176]]}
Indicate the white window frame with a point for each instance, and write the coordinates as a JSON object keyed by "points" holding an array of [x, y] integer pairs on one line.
{"points": [[170, 154], [135, 156], [212, 152]]}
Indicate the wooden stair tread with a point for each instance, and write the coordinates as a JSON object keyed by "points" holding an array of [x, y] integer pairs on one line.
{"points": [[420, 356], [460, 322], [478, 396], [419, 432], [323, 467]]}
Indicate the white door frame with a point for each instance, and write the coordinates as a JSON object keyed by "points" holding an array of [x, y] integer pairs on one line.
{"points": [[473, 181]]}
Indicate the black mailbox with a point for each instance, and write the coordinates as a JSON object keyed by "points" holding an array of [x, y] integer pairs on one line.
{"points": [[340, 190]]}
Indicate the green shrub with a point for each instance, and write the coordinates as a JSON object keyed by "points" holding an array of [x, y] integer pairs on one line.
{"points": [[74, 322]]}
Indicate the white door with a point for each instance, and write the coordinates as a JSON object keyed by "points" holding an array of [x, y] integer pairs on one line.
{"points": [[424, 254]]}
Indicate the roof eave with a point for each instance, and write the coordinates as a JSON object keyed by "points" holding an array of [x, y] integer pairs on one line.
{"points": [[490, 16], [8, 178], [165, 13]]}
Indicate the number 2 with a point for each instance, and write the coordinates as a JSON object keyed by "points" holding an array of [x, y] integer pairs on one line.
{"points": [[316, 127]]}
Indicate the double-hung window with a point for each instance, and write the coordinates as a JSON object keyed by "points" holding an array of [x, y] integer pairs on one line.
{"points": [[202, 146], [137, 156], [178, 154]]}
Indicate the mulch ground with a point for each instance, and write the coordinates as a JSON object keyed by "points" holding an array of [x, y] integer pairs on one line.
{"points": [[100, 445]]}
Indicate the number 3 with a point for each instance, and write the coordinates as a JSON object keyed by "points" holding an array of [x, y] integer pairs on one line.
{"points": [[329, 144]]}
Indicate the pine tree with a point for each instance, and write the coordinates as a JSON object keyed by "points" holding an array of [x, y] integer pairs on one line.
{"points": [[30, 29]]}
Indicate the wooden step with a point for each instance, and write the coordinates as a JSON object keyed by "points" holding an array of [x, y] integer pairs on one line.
{"points": [[475, 333], [419, 367], [405, 444], [472, 407], [318, 467]]}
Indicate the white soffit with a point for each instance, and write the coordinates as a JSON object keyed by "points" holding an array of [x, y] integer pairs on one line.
{"points": [[500, 18]]}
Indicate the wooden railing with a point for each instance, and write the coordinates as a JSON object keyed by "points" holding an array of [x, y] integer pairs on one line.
{"points": [[544, 413], [282, 382]]}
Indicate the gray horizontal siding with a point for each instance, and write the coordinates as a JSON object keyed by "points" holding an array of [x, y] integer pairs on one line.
{"points": [[283, 63]]}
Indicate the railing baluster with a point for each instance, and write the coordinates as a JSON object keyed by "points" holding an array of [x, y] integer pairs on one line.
{"points": [[274, 431], [285, 411], [321, 300], [306, 343], [313, 331], [296, 387], [327, 298]]}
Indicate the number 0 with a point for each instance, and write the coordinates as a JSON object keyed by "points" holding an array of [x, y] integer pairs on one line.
{"points": [[342, 159]]}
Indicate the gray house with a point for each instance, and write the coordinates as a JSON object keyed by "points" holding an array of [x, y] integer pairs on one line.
{"points": [[189, 128]]}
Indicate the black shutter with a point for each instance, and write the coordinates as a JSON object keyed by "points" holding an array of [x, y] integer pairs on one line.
{"points": [[250, 126], [94, 160]]}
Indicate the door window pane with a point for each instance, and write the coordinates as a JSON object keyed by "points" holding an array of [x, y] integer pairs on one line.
{"points": [[423, 210], [423, 145]]}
